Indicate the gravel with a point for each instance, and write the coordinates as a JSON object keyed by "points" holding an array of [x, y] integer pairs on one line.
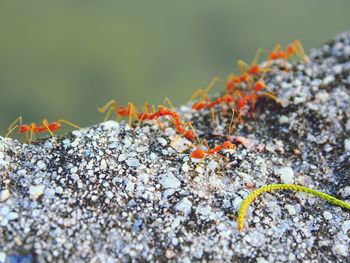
{"points": [[111, 193]]}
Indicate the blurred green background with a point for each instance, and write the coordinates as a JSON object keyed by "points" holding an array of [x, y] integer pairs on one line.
{"points": [[62, 59]]}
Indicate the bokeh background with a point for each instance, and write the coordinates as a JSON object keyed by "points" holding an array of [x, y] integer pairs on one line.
{"points": [[63, 59]]}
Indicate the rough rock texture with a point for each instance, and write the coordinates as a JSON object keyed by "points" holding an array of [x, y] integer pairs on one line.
{"points": [[110, 193]]}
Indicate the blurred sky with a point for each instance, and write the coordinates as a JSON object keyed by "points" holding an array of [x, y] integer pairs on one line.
{"points": [[63, 59]]}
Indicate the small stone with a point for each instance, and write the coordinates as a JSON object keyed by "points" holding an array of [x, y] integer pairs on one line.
{"points": [[109, 194], [169, 254], [35, 191], [286, 174], [340, 249], [141, 149], [130, 186], [162, 141], [122, 157], [12, 216], [328, 79], [169, 181], [347, 125], [347, 145], [322, 96], [41, 165], [283, 119], [327, 215], [212, 165], [133, 162], [2, 257], [185, 167], [4, 194], [184, 206], [103, 165], [291, 209]]}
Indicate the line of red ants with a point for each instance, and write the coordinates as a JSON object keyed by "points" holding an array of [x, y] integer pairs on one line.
{"points": [[242, 92]]}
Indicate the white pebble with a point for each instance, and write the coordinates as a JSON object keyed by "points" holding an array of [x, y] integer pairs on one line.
{"points": [[327, 215], [12, 216], [185, 168], [286, 174], [121, 157], [340, 249], [347, 125], [35, 191], [133, 162], [283, 119], [328, 79], [212, 165], [347, 145], [41, 165], [169, 181], [109, 194], [162, 141], [2, 257], [4, 195], [291, 209], [130, 186], [103, 165], [184, 206]]}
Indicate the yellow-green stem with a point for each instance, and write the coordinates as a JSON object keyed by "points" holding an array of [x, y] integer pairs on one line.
{"points": [[271, 187]]}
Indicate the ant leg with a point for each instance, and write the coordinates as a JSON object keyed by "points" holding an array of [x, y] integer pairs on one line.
{"points": [[300, 50], [110, 106], [230, 128], [213, 116], [31, 132], [195, 133], [14, 123], [68, 123], [257, 55], [242, 65], [111, 103], [46, 124], [204, 92], [11, 130], [168, 101]]}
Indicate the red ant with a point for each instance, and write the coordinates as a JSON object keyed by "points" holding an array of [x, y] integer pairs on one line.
{"points": [[129, 111], [201, 154], [33, 128], [293, 49]]}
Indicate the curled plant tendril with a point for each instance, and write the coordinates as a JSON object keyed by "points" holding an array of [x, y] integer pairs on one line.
{"points": [[271, 187]]}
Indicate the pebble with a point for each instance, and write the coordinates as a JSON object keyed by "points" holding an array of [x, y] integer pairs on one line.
{"points": [[340, 249], [291, 209], [133, 162], [185, 167], [283, 119], [327, 215], [103, 165], [184, 206], [35, 191], [12, 216], [327, 80], [286, 175], [169, 180], [347, 145], [41, 165], [162, 141], [4, 194], [347, 125]]}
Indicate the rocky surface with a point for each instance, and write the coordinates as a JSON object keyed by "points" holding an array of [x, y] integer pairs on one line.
{"points": [[111, 193]]}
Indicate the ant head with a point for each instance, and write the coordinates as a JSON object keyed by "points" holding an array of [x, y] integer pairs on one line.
{"points": [[228, 145], [175, 115]]}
